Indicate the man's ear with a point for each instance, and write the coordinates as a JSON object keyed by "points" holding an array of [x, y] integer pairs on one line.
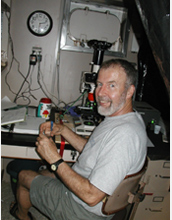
{"points": [[130, 91]]}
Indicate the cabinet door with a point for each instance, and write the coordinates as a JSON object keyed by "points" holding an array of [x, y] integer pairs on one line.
{"points": [[157, 176], [156, 206]]}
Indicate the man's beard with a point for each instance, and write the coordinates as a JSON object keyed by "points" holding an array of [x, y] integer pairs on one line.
{"points": [[107, 111]]}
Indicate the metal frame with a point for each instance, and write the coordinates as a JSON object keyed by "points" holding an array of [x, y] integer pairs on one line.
{"points": [[65, 35]]}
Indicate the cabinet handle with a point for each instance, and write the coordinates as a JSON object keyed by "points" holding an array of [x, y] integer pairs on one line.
{"points": [[155, 210], [164, 177], [166, 165]]}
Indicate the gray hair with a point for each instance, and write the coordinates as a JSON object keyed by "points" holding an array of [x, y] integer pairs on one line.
{"points": [[131, 72]]}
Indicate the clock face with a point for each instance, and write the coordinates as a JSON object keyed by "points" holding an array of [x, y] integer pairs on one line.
{"points": [[39, 23]]}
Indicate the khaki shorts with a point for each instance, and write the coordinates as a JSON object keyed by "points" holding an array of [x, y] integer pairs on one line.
{"points": [[53, 199]]}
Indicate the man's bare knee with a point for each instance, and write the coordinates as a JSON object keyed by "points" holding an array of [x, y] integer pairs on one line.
{"points": [[25, 178]]}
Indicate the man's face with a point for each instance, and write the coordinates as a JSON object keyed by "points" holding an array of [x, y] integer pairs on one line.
{"points": [[110, 91]]}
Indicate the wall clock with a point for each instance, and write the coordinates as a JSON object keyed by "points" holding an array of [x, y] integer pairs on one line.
{"points": [[39, 23]]}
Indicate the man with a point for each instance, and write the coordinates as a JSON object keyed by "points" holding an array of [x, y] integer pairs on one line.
{"points": [[116, 148]]}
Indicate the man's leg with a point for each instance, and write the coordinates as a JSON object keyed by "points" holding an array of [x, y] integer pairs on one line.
{"points": [[25, 178], [46, 172], [23, 199]]}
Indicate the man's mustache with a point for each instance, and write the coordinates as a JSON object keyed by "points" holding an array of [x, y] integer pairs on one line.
{"points": [[103, 99]]}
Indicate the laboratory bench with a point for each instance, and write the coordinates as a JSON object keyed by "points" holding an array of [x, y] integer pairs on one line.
{"points": [[15, 145], [22, 146]]}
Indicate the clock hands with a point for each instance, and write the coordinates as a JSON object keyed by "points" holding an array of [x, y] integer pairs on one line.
{"points": [[39, 23]]}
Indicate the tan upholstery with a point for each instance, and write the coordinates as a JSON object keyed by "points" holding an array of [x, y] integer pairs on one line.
{"points": [[124, 194]]}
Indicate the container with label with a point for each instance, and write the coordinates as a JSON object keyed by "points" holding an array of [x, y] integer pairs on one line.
{"points": [[44, 108]]}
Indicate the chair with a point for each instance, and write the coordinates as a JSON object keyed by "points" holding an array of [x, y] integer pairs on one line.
{"points": [[126, 193]]}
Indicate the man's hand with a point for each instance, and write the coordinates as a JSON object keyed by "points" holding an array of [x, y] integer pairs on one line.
{"points": [[45, 128], [71, 137], [47, 149]]}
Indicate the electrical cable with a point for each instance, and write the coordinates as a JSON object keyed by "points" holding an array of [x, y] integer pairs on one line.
{"points": [[38, 80], [13, 59], [12, 51], [72, 102], [25, 79], [28, 89], [61, 116], [58, 78], [29, 101], [46, 87]]}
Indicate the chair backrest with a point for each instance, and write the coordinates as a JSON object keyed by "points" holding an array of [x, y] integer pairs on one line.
{"points": [[120, 197]]}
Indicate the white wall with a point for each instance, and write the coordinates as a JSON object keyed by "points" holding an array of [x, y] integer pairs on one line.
{"points": [[71, 63], [23, 41]]}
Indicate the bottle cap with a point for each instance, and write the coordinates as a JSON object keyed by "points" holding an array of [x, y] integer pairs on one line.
{"points": [[46, 100]]}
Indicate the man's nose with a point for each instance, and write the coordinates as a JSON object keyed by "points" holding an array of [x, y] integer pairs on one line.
{"points": [[101, 91]]}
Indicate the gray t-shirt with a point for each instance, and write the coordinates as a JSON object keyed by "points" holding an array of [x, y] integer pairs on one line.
{"points": [[116, 148]]}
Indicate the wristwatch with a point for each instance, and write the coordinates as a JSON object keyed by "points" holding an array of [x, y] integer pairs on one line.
{"points": [[54, 166]]}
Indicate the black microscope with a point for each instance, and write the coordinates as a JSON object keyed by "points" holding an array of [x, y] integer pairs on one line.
{"points": [[88, 109]]}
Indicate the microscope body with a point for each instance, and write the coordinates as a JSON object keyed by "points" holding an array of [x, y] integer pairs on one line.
{"points": [[88, 108]]}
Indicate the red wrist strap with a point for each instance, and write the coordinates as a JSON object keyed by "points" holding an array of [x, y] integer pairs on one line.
{"points": [[62, 145]]}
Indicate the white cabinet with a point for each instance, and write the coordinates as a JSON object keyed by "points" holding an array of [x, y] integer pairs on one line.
{"points": [[24, 152], [156, 204]]}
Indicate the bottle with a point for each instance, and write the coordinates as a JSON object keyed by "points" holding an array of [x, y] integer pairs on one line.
{"points": [[44, 108]]}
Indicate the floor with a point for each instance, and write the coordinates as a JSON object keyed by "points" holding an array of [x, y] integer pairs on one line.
{"points": [[7, 197]]}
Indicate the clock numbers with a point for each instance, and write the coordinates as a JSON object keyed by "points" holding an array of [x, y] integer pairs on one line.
{"points": [[39, 23]]}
